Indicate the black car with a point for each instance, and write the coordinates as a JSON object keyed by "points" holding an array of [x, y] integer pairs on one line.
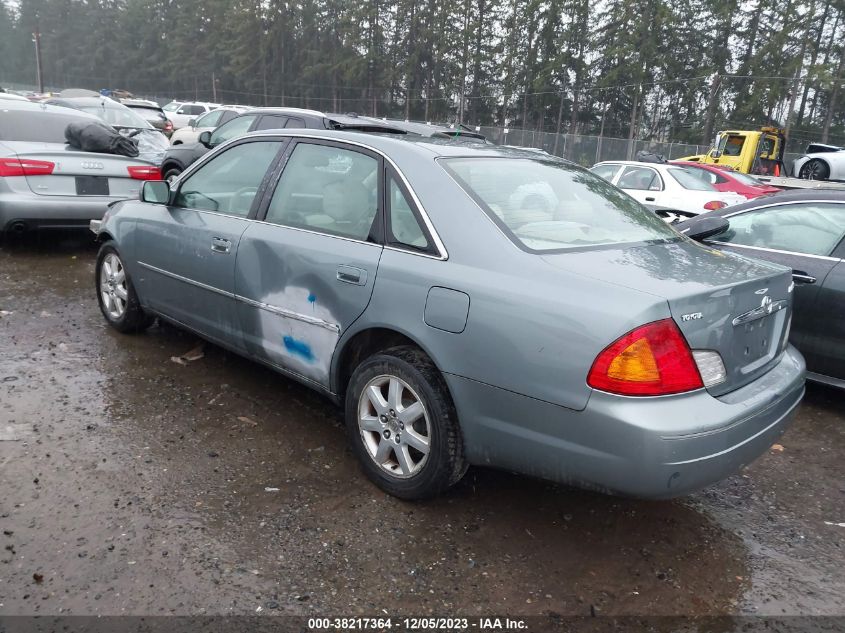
{"points": [[179, 157], [153, 113], [804, 230]]}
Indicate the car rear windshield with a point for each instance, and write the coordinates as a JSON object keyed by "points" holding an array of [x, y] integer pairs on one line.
{"points": [[39, 127], [119, 116], [548, 205]]}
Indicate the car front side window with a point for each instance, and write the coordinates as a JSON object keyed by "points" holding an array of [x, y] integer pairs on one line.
{"points": [[229, 182], [328, 190], [811, 228], [230, 130], [212, 119]]}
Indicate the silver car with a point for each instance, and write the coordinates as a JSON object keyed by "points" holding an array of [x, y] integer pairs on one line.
{"points": [[46, 183], [420, 285]]}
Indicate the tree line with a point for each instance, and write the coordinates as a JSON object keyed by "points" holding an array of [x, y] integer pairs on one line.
{"points": [[658, 69]]}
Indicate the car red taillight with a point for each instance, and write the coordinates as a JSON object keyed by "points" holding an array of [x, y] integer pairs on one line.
{"points": [[25, 167], [651, 360], [715, 205], [144, 172]]}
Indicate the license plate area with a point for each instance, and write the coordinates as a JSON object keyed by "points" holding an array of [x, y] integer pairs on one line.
{"points": [[92, 186]]}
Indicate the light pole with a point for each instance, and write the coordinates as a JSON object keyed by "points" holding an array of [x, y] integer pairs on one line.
{"points": [[36, 37]]}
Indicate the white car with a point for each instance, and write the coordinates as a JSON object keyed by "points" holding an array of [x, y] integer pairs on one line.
{"points": [[208, 121], [821, 162], [665, 185], [187, 111]]}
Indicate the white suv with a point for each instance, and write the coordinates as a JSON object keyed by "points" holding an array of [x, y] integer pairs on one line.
{"points": [[187, 111]]}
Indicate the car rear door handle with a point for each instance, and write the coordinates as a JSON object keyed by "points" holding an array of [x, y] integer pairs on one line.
{"points": [[220, 245], [799, 276], [351, 275], [649, 199]]}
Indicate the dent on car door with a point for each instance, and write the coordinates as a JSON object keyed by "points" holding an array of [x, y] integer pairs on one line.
{"points": [[186, 251], [801, 236], [307, 272]]}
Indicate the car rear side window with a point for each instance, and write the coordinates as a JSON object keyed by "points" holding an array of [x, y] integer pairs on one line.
{"points": [[547, 205], [328, 190], [812, 228], [404, 226], [40, 127], [229, 182], [271, 122]]}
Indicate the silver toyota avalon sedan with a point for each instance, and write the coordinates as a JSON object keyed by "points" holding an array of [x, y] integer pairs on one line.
{"points": [[466, 305]]}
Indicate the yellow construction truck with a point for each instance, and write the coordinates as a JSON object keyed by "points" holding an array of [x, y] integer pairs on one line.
{"points": [[757, 152]]}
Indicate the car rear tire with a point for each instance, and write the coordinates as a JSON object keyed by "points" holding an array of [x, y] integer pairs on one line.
{"points": [[170, 173], [116, 295], [814, 169], [403, 426]]}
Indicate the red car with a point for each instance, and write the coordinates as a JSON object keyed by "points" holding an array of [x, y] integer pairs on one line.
{"points": [[727, 179]]}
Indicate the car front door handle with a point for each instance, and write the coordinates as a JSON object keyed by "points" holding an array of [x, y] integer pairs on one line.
{"points": [[220, 245], [799, 276], [352, 275], [649, 199]]}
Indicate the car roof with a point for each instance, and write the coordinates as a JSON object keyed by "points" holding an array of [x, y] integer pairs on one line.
{"points": [[88, 101], [799, 195], [32, 106], [421, 145], [284, 110]]}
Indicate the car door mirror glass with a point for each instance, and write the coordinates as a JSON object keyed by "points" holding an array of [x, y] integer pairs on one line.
{"points": [[205, 138], [155, 192]]}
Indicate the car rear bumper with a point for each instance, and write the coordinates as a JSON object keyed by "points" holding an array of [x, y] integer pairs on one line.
{"points": [[644, 447], [19, 211]]}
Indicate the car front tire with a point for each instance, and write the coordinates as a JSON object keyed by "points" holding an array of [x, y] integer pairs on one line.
{"points": [[116, 295], [814, 169], [403, 426]]}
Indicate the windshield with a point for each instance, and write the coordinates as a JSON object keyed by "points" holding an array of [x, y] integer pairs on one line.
{"points": [[545, 205], [689, 180], [119, 116]]}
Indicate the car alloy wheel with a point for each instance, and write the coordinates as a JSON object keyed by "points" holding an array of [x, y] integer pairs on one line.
{"points": [[394, 426], [113, 288], [814, 170]]}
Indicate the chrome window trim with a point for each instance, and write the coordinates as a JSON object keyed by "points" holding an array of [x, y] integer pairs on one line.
{"points": [[333, 327], [774, 250], [441, 248], [786, 203], [320, 233]]}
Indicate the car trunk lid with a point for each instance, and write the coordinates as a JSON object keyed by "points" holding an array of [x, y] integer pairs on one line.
{"points": [[736, 306], [76, 172]]}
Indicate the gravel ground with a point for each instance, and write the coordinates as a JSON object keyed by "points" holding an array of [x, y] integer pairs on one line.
{"points": [[135, 485]]}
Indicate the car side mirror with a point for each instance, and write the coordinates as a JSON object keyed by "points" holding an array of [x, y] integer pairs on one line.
{"points": [[715, 154], [701, 228], [205, 139], [156, 192], [192, 123]]}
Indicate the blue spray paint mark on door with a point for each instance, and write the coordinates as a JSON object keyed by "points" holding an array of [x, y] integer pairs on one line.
{"points": [[298, 348]]}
